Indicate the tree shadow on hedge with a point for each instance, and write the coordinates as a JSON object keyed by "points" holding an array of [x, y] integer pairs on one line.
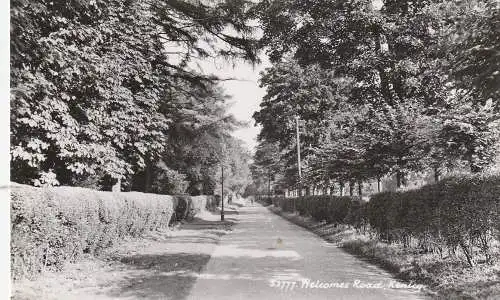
{"points": [[166, 276]]}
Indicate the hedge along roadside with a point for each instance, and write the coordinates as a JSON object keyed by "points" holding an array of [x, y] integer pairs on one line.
{"points": [[457, 212], [51, 226], [331, 209]]}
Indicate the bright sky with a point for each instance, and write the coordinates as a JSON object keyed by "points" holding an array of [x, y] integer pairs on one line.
{"points": [[246, 93]]}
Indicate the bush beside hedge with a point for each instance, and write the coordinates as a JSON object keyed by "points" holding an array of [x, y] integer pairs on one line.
{"points": [[186, 207], [204, 202], [51, 226]]}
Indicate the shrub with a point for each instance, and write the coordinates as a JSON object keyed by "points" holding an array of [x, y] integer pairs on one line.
{"points": [[332, 209], [266, 200], [51, 226], [455, 212], [357, 215], [168, 181], [183, 207], [203, 202]]}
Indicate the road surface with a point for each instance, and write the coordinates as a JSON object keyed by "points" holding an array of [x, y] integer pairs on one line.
{"points": [[263, 257], [267, 257]]}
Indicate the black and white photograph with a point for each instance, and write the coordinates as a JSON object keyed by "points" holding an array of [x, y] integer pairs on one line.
{"points": [[250, 149]]}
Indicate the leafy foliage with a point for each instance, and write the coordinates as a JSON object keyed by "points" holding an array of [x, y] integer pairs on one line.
{"points": [[101, 88], [401, 88]]}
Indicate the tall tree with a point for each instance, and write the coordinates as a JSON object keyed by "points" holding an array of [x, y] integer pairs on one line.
{"points": [[414, 99], [95, 89]]}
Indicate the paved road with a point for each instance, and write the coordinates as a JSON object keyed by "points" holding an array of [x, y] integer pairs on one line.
{"points": [[267, 257]]}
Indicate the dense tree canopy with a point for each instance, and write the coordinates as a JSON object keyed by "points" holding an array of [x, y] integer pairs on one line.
{"points": [[98, 94], [402, 87], [107, 91]]}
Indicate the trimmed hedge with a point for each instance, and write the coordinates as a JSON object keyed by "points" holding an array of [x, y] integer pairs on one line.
{"points": [[50, 226], [265, 200], [455, 212], [332, 209]]}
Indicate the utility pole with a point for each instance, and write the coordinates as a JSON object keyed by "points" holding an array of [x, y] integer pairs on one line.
{"points": [[298, 155], [222, 192], [269, 184], [222, 179]]}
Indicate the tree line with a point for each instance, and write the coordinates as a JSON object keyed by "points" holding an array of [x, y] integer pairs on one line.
{"points": [[381, 88], [106, 91]]}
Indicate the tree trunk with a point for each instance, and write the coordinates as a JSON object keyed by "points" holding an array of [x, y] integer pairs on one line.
{"points": [[468, 252], [147, 175], [341, 189], [378, 185], [360, 189], [117, 187], [351, 188], [398, 179], [384, 78], [269, 185], [436, 174]]}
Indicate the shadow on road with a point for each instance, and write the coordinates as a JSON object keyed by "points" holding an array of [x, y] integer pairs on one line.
{"points": [[172, 276], [170, 272], [167, 276], [227, 211], [202, 224]]}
